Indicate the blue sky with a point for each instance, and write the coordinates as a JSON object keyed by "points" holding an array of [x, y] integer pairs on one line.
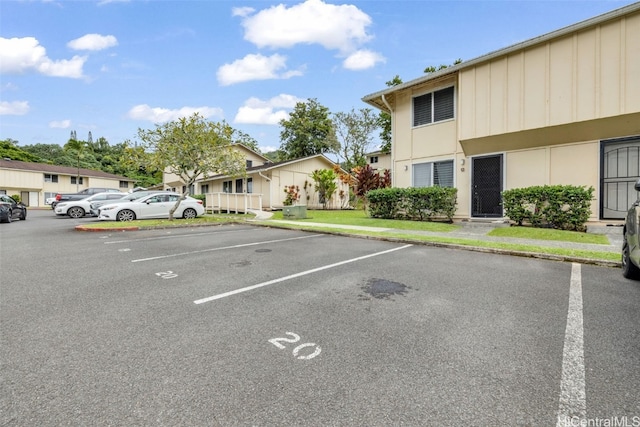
{"points": [[111, 67]]}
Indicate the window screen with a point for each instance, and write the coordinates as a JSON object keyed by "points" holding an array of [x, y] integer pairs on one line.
{"points": [[422, 175], [422, 110], [436, 173], [443, 104]]}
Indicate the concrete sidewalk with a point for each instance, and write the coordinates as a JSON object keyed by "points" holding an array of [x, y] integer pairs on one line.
{"points": [[478, 232]]}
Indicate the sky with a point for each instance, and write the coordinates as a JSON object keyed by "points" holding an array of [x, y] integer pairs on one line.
{"points": [[112, 67]]}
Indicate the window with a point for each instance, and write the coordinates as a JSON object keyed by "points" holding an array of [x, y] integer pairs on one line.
{"points": [[373, 159], [204, 189], [124, 184], [74, 180], [249, 185], [435, 173], [249, 163], [50, 178], [433, 107], [227, 187], [239, 185]]}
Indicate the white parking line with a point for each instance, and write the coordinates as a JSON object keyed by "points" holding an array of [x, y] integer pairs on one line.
{"points": [[293, 276], [572, 407], [171, 236], [223, 248]]}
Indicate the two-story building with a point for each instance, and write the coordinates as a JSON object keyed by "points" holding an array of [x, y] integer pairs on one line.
{"points": [[37, 182], [561, 108]]}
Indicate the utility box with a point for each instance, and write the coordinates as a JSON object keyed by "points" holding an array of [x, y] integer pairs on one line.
{"points": [[294, 212]]}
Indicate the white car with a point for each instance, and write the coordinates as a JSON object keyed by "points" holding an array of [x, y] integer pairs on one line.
{"points": [[80, 208], [155, 205]]}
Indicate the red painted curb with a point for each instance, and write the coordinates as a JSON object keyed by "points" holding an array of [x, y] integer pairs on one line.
{"points": [[83, 228]]}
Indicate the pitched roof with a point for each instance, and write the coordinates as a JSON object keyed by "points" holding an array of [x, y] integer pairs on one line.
{"points": [[274, 165], [63, 170], [378, 100]]}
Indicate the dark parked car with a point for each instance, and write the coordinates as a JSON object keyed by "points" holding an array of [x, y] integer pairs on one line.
{"points": [[631, 241], [10, 209]]}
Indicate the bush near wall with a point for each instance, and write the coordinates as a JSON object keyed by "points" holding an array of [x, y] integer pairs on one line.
{"points": [[565, 207], [420, 204]]}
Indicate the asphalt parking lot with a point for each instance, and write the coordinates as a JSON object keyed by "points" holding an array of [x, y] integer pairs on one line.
{"points": [[243, 325]]}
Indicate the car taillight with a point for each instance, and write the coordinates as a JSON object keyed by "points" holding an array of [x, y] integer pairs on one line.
{"points": [[58, 196], [199, 202]]}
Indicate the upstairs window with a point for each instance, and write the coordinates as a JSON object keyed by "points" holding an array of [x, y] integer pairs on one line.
{"points": [[373, 159], [433, 107], [76, 180], [50, 178]]}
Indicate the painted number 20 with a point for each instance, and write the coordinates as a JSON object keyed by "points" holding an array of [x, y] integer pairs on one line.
{"points": [[294, 339]]}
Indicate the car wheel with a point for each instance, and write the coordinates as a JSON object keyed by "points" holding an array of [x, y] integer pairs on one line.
{"points": [[125, 215], [189, 213], [629, 269], [23, 217], [8, 218], [75, 212]]}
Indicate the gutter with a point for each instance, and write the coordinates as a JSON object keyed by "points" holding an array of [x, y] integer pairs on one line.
{"points": [[270, 192], [393, 163]]}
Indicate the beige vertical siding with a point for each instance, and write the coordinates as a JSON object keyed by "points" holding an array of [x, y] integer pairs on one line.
{"points": [[590, 74]]}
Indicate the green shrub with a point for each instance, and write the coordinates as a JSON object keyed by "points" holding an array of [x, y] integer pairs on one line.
{"points": [[421, 204], [16, 197], [564, 207]]}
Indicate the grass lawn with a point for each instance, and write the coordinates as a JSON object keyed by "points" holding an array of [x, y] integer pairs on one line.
{"points": [[549, 234], [165, 223], [359, 217]]}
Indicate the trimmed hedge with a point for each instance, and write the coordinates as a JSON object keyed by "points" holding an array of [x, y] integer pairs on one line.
{"points": [[565, 207], [421, 204]]}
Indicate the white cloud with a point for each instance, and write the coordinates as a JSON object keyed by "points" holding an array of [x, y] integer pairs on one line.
{"points": [[335, 27], [255, 67], [14, 108], [162, 115], [93, 42], [60, 124], [270, 112], [242, 11], [19, 55], [362, 59]]}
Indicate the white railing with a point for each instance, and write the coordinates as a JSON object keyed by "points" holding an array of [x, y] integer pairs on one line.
{"points": [[232, 202]]}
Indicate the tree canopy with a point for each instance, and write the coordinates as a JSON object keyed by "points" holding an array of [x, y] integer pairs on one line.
{"points": [[190, 148], [308, 130], [354, 131]]}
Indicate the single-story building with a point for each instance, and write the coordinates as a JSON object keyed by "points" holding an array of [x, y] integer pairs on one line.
{"points": [[37, 182], [562, 108], [263, 187]]}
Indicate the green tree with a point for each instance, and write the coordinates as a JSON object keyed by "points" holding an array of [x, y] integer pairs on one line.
{"points": [[190, 148], [432, 69], [9, 150], [308, 131], [247, 140], [325, 184], [354, 131], [384, 121], [77, 148]]}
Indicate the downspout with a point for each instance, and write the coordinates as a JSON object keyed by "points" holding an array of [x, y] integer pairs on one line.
{"points": [[270, 192], [393, 163]]}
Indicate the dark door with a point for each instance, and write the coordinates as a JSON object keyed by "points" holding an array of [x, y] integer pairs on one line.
{"points": [[239, 185], [620, 171], [486, 186]]}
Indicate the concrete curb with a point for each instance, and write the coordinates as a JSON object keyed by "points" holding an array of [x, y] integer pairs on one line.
{"points": [[289, 226], [550, 257]]}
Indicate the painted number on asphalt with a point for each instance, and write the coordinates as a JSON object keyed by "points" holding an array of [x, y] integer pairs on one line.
{"points": [[296, 351], [166, 274]]}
